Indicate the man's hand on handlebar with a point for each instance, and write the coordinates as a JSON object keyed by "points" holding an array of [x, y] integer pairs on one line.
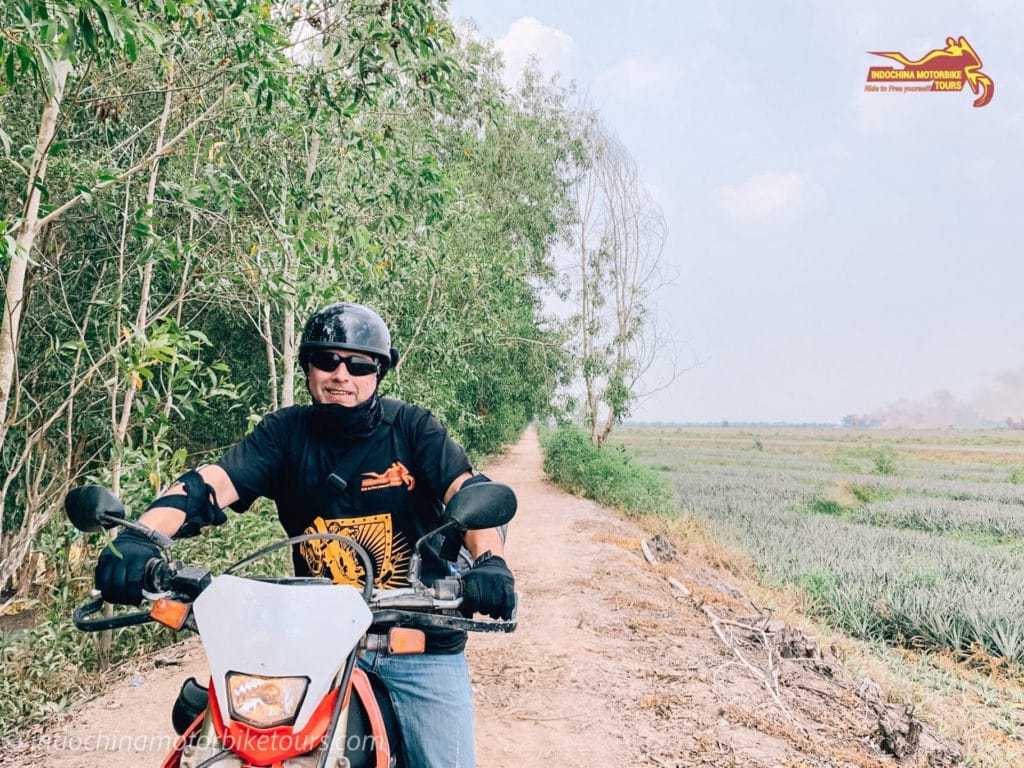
{"points": [[488, 587], [120, 576]]}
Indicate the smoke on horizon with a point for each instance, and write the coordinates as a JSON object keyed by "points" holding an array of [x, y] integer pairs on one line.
{"points": [[999, 404]]}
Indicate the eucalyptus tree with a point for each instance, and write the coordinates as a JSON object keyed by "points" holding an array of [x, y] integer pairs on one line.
{"points": [[614, 267], [438, 205], [332, 182]]}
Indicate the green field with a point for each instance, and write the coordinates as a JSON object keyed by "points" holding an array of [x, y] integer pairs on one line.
{"points": [[911, 538]]}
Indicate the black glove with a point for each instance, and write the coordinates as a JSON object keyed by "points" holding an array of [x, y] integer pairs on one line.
{"points": [[119, 577], [488, 587]]}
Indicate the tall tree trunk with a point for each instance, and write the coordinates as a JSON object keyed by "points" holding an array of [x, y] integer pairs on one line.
{"points": [[14, 292], [290, 301], [268, 342], [141, 318], [288, 350]]}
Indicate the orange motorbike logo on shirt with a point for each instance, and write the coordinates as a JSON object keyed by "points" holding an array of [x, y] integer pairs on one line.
{"points": [[394, 476], [944, 69]]}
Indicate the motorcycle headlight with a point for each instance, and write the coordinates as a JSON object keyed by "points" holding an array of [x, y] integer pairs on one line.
{"points": [[265, 702]]}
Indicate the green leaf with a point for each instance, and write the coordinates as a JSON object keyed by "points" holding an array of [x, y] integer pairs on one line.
{"points": [[142, 230], [85, 192], [10, 244], [87, 32], [162, 352], [50, 82], [108, 21], [151, 34]]}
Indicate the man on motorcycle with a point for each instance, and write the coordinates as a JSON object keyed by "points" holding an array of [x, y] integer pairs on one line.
{"points": [[374, 469]]}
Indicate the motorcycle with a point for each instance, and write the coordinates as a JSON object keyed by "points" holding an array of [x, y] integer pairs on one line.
{"points": [[274, 698]]}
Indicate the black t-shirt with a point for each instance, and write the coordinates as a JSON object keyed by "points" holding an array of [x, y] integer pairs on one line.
{"points": [[391, 499]]}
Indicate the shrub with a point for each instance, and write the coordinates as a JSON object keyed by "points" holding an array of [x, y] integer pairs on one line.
{"points": [[866, 494], [820, 586], [608, 476], [884, 461], [822, 506]]}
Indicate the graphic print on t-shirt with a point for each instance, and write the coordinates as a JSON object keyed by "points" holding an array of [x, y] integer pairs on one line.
{"points": [[388, 549], [393, 477]]}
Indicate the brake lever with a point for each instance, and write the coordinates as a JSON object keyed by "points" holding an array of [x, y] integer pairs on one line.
{"points": [[84, 623]]}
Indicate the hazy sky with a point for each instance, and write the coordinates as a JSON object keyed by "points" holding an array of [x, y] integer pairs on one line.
{"points": [[836, 250]]}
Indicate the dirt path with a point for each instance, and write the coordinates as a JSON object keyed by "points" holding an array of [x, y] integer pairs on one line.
{"points": [[611, 666]]}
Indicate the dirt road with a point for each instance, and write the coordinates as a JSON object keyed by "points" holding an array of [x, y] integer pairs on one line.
{"points": [[612, 666]]}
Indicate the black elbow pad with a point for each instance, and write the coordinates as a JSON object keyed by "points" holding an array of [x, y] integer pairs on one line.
{"points": [[199, 505], [476, 479]]}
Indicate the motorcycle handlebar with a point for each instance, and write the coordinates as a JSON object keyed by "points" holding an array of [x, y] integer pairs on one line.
{"points": [[85, 624], [157, 577], [405, 609], [409, 607], [423, 620]]}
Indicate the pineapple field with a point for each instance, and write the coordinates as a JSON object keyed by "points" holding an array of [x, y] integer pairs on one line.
{"points": [[914, 539]]}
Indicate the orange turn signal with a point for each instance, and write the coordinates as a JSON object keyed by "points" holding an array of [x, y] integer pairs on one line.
{"points": [[405, 641], [170, 613]]}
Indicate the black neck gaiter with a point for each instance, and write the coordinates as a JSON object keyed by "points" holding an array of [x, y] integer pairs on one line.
{"points": [[343, 424]]}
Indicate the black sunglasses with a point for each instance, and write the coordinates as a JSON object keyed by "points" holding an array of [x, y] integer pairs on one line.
{"points": [[358, 365]]}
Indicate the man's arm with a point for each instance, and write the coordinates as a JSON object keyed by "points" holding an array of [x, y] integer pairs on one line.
{"points": [[477, 542], [488, 587], [168, 520]]}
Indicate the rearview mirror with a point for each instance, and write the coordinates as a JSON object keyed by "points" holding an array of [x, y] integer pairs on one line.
{"points": [[91, 508], [483, 505]]}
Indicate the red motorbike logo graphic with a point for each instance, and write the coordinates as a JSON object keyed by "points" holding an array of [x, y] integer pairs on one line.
{"points": [[946, 68], [394, 476]]}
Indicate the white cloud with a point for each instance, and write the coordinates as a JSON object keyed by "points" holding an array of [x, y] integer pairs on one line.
{"points": [[528, 37], [766, 196], [642, 75]]}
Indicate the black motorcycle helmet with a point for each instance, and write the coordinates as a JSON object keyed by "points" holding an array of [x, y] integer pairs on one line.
{"points": [[348, 325]]}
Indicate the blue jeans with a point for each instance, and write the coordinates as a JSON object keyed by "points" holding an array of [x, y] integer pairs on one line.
{"points": [[434, 705]]}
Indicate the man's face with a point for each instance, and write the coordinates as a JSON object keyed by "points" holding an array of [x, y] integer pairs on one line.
{"points": [[339, 386]]}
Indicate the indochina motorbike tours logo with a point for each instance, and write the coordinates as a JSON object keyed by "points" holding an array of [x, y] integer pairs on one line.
{"points": [[942, 69]]}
